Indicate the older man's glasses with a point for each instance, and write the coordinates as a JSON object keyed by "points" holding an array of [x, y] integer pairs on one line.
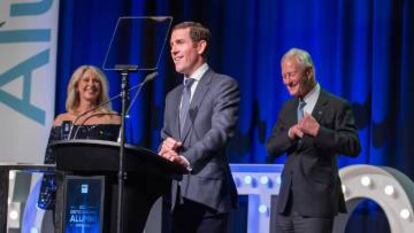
{"points": [[289, 75]]}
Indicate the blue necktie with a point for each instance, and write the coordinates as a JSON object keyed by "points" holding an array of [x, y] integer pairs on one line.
{"points": [[301, 108], [185, 101]]}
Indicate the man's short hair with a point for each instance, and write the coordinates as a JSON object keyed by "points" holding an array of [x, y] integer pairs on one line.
{"points": [[197, 33], [301, 56]]}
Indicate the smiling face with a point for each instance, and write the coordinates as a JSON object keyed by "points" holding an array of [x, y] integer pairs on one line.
{"points": [[89, 87], [186, 54], [296, 77]]}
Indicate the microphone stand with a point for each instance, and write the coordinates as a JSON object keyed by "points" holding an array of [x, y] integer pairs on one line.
{"points": [[122, 176]]}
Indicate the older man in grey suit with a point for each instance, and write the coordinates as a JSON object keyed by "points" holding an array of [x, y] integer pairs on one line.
{"points": [[199, 119]]}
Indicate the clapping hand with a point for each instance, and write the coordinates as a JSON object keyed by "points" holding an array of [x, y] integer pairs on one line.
{"points": [[170, 150], [308, 125]]}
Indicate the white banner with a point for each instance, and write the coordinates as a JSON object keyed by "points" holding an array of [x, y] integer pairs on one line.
{"points": [[28, 44]]}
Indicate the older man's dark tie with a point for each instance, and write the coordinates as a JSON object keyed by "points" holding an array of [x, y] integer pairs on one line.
{"points": [[185, 102]]}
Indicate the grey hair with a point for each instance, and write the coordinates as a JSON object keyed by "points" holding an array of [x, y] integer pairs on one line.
{"points": [[301, 56]]}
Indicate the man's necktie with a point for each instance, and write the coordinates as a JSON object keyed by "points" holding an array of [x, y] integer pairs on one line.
{"points": [[185, 101], [301, 108]]}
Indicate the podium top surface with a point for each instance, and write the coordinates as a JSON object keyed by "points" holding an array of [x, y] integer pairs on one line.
{"points": [[31, 167], [100, 155]]}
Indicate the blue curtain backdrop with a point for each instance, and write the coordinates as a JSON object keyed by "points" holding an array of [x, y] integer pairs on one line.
{"points": [[362, 49]]}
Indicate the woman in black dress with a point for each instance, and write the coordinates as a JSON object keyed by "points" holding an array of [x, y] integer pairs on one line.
{"points": [[87, 117]]}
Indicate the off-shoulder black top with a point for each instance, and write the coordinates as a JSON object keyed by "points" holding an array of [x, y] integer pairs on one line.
{"points": [[48, 188]]}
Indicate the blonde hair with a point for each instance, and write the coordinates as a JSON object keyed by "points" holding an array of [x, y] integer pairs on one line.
{"points": [[72, 99]]}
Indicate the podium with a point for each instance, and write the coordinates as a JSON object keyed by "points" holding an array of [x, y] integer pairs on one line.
{"points": [[147, 177], [5, 169]]}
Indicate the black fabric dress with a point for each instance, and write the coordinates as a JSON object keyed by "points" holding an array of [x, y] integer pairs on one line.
{"points": [[109, 132]]}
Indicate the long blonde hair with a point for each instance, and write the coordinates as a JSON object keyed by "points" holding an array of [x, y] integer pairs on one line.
{"points": [[72, 99]]}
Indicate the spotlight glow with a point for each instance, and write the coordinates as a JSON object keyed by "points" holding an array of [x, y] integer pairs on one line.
{"points": [[278, 180], [13, 215], [248, 180], [344, 190], [389, 190], [366, 181], [405, 214], [264, 180], [263, 209], [12, 175]]}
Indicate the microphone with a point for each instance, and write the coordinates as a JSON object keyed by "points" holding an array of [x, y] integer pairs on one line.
{"points": [[88, 111], [65, 128], [148, 78]]}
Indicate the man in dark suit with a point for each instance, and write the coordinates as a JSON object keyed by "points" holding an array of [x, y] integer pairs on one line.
{"points": [[312, 128], [199, 119]]}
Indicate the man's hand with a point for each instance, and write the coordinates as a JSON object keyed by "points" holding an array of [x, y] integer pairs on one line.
{"points": [[295, 132], [168, 154], [309, 125], [169, 150], [175, 158], [180, 160], [168, 145]]}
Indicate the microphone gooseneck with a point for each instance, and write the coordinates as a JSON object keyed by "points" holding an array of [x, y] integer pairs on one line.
{"points": [[148, 78], [90, 116], [88, 111]]}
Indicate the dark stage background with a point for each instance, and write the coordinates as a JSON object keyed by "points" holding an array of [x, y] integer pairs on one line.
{"points": [[362, 49]]}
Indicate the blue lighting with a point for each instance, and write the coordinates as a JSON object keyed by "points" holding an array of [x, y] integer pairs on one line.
{"points": [[264, 180], [248, 180], [237, 182], [263, 209]]}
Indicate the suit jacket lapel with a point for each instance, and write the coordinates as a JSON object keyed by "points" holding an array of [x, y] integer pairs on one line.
{"points": [[319, 108], [317, 113], [176, 113], [196, 101]]}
